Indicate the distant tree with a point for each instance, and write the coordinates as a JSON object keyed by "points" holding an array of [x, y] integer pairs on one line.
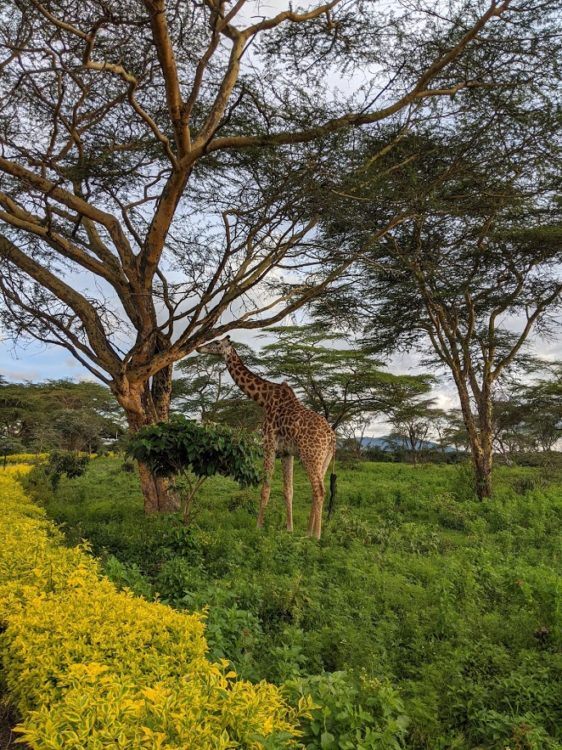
{"points": [[9, 446], [412, 420], [510, 428], [65, 463], [439, 426], [529, 416], [543, 409], [454, 431], [59, 414], [240, 412], [335, 376], [15, 409]]}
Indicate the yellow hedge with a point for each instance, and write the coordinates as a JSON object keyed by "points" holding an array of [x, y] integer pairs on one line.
{"points": [[36, 458], [89, 667], [24, 458]]}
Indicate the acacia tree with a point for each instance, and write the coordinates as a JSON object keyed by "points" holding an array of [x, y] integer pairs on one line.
{"points": [[543, 409], [476, 269], [528, 417], [454, 432], [154, 157], [473, 282], [345, 384], [412, 421], [455, 283]]}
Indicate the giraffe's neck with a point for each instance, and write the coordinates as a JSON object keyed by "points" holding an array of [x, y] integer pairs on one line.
{"points": [[252, 385]]}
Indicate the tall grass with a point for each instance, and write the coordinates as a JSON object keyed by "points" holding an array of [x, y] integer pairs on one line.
{"points": [[423, 618]]}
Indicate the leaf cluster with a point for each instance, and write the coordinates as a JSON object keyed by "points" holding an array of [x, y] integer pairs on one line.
{"points": [[181, 445]]}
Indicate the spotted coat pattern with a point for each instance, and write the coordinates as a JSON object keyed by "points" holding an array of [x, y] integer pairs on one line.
{"points": [[290, 429]]}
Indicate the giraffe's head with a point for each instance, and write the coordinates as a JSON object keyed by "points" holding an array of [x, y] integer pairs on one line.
{"points": [[220, 347]]}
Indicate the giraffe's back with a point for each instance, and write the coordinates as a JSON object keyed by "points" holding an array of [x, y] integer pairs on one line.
{"points": [[299, 430]]}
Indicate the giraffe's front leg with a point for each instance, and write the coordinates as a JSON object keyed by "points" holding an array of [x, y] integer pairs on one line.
{"points": [[287, 463], [268, 466]]}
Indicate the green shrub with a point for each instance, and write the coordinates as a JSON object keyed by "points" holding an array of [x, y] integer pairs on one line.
{"points": [[348, 527], [191, 453], [351, 713], [62, 463], [128, 576]]}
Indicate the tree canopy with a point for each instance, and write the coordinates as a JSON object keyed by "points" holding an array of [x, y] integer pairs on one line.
{"points": [[334, 376], [156, 180]]}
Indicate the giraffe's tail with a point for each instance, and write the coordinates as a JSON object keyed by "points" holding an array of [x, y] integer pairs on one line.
{"points": [[333, 487]]}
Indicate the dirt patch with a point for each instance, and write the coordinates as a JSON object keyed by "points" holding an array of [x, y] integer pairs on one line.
{"points": [[7, 736]]}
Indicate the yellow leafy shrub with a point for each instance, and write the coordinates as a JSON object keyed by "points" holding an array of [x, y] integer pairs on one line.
{"points": [[35, 458], [25, 458], [89, 667]]}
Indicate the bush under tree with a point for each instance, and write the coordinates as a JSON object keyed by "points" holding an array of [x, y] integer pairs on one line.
{"points": [[190, 453]]}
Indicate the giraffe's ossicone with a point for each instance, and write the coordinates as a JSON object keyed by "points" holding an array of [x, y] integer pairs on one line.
{"points": [[289, 428]]}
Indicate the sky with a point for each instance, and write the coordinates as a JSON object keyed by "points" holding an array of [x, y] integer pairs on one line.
{"points": [[35, 362]]}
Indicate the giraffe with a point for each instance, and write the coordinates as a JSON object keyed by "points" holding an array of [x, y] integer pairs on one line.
{"points": [[290, 428]]}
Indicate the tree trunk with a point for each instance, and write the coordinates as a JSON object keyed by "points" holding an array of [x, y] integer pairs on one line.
{"points": [[146, 404], [484, 472], [156, 493], [482, 462], [480, 440]]}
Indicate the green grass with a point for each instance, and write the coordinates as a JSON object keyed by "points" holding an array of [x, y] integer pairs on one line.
{"points": [[422, 619]]}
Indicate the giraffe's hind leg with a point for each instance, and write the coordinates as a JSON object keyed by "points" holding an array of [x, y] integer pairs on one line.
{"points": [[317, 483], [287, 464], [316, 467], [314, 471], [328, 460], [321, 493], [330, 457]]}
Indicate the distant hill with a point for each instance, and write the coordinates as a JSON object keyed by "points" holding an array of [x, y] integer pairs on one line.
{"points": [[386, 443]]}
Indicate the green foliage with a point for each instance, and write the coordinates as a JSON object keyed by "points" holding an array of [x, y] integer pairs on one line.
{"points": [[67, 464], [352, 714], [9, 445], [529, 417], [127, 575], [59, 414], [435, 606], [170, 448]]}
